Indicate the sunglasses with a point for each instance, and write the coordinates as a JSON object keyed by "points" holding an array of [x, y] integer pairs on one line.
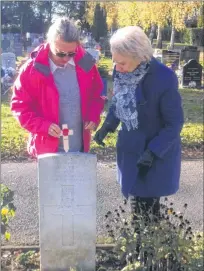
{"points": [[62, 54]]}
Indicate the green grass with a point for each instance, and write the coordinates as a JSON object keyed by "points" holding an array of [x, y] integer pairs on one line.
{"points": [[192, 132], [192, 105], [13, 137], [166, 42], [13, 143], [105, 61], [107, 64]]}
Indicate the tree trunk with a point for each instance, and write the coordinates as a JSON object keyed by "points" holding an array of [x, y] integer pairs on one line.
{"points": [[49, 12], [21, 23], [159, 38], [152, 32], [173, 32]]}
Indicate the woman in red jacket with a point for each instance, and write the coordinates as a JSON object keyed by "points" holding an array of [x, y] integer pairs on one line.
{"points": [[59, 84]]}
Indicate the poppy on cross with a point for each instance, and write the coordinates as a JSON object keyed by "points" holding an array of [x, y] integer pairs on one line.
{"points": [[66, 132]]}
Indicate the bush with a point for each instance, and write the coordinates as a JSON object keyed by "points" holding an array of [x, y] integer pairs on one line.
{"points": [[28, 260], [166, 34], [165, 244], [183, 36], [197, 36], [7, 209], [103, 71], [201, 18], [201, 21], [105, 46], [10, 29], [186, 36], [192, 134], [194, 36], [105, 66]]}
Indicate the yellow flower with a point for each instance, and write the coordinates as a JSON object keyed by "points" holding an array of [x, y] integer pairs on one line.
{"points": [[4, 211], [7, 236], [169, 212]]}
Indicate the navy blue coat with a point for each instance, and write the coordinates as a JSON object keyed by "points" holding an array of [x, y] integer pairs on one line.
{"points": [[160, 117]]}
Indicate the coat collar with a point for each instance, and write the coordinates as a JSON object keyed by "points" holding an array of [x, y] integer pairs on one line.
{"points": [[153, 65], [140, 93], [40, 58], [54, 67], [41, 54]]}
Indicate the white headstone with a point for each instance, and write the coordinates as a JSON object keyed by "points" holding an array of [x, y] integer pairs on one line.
{"points": [[27, 35], [5, 44], [67, 201], [18, 49], [8, 60]]}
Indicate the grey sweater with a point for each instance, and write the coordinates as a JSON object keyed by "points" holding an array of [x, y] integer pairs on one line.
{"points": [[69, 104]]}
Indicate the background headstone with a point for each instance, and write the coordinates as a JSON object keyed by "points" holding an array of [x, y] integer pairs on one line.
{"points": [[18, 49], [5, 44], [192, 74], [170, 57], [67, 199], [8, 60]]}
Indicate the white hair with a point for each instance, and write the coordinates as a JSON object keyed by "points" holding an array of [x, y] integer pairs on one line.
{"points": [[65, 29], [133, 42]]}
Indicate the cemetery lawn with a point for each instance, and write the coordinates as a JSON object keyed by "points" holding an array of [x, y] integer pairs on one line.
{"points": [[13, 143], [106, 62], [13, 137], [191, 134]]}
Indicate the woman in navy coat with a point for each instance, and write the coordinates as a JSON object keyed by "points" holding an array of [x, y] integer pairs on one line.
{"points": [[147, 104]]}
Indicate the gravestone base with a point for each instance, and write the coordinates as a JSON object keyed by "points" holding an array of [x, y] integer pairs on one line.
{"points": [[65, 260], [67, 202]]}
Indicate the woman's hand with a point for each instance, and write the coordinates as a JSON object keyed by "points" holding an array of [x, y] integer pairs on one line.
{"points": [[54, 130], [100, 135], [145, 162], [90, 125]]}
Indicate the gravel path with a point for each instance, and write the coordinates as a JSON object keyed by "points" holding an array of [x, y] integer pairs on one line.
{"points": [[22, 178]]}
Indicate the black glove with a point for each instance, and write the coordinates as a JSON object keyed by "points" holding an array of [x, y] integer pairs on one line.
{"points": [[145, 162], [101, 134]]}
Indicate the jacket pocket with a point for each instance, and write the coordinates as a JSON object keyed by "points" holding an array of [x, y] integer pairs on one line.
{"points": [[133, 141], [39, 144]]}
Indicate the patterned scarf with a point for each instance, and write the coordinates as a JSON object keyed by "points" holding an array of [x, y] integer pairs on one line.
{"points": [[124, 95]]}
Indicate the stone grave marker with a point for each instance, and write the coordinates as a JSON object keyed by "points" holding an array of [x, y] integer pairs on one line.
{"points": [[192, 74], [8, 60], [67, 204], [18, 49], [5, 44], [170, 57]]}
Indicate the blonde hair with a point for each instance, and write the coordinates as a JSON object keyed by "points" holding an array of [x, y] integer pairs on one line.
{"points": [[133, 42]]}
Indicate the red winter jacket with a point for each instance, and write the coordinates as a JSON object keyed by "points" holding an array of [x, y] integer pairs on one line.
{"points": [[35, 99]]}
